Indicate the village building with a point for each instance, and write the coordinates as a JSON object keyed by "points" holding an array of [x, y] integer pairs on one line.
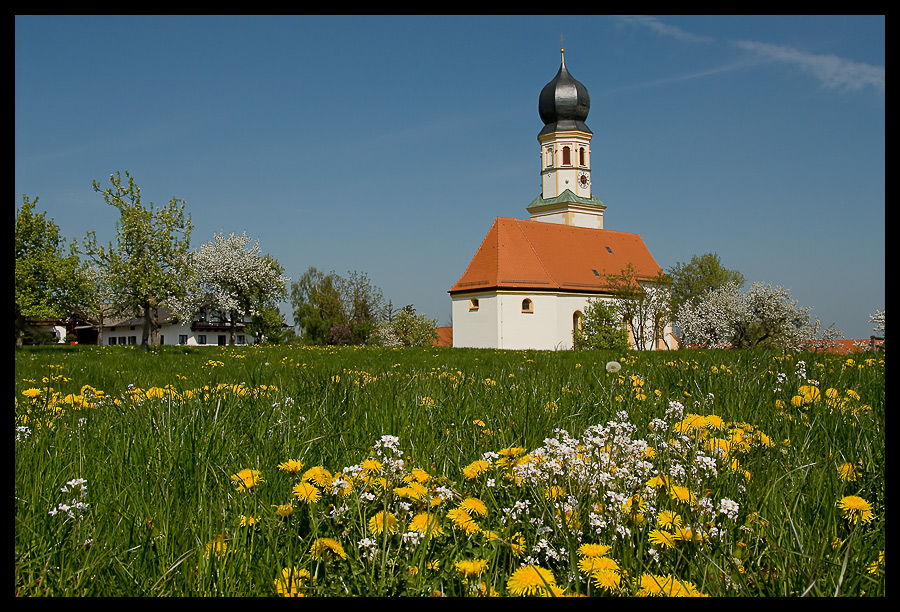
{"points": [[529, 282], [207, 329]]}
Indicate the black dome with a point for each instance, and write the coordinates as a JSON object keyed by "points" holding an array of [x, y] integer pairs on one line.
{"points": [[564, 103]]}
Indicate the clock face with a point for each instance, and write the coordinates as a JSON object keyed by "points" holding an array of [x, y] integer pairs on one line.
{"points": [[583, 179]]}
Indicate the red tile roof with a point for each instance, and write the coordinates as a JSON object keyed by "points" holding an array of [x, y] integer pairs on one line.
{"points": [[537, 255]]}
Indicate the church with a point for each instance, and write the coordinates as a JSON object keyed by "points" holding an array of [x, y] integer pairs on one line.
{"points": [[530, 280]]}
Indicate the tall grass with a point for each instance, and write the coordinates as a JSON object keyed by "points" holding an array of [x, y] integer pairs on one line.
{"points": [[159, 436]]}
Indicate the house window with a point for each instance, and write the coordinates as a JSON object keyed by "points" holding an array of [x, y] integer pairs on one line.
{"points": [[112, 340], [201, 339], [527, 305], [241, 340], [182, 339], [222, 340], [567, 156], [473, 304], [162, 340], [132, 339]]}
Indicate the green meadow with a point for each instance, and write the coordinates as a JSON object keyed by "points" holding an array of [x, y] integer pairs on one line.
{"points": [[300, 471]]}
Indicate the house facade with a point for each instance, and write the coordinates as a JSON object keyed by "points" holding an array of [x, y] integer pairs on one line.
{"points": [[528, 285], [210, 329]]}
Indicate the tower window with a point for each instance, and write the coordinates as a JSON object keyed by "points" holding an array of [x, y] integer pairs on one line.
{"points": [[527, 305], [567, 156], [473, 304], [581, 156], [577, 317], [549, 157]]}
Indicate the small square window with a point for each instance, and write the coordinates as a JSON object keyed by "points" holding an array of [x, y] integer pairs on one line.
{"points": [[473, 304]]}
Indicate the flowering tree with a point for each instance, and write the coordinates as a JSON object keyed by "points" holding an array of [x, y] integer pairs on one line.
{"points": [[229, 277], [406, 329], [644, 305], [764, 317]]}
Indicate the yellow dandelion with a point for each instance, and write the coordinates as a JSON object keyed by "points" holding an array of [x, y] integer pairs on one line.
{"points": [[31, 393], [246, 479], [291, 581], [593, 550], [475, 469], [246, 521], [668, 518], [607, 580], [661, 538], [306, 492], [682, 494], [462, 520], [471, 568], [425, 523], [420, 475], [284, 510], [291, 466], [589, 565], [847, 472], [383, 521], [473, 505], [370, 466], [530, 580], [318, 475], [324, 545], [856, 509]]}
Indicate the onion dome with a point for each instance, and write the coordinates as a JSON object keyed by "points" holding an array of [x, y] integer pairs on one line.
{"points": [[564, 103]]}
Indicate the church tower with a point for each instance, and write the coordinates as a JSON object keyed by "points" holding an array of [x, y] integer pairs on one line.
{"points": [[565, 142]]}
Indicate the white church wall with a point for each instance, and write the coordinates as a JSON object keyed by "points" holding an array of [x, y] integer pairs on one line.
{"points": [[475, 327]]}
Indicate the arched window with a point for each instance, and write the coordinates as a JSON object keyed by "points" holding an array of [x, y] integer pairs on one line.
{"points": [[473, 304], [581, 156], [577, 318], [550, 157], [567, 156], [527, 305]]}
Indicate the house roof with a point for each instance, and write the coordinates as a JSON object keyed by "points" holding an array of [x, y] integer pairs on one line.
{"points": [[536, 255]]}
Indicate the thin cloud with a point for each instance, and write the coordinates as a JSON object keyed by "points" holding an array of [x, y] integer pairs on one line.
{"points": [[832, 71], [662, 28]]}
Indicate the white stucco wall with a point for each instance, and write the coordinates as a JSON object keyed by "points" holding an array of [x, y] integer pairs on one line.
{"points": [[500, 323]]}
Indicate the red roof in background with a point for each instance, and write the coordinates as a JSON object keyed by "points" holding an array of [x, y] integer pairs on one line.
{"points": [[445, 337], [519, 254]]}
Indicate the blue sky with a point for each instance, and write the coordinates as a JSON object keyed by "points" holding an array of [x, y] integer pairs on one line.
{"points": [[389, 144]]}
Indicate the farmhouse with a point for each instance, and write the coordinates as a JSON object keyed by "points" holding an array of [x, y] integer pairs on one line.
{"points": [[205, 330], [530, 280]]}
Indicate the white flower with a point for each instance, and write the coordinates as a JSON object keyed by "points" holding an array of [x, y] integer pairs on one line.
{"points": [[613, 367]]}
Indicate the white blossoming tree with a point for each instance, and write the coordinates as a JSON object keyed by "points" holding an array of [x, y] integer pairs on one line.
{"points": [[764, 317], [232, 277]]}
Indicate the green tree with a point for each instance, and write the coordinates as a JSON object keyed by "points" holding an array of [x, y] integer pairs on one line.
{"points": [[49, 282], [144, 267], [703, 274], [601, 327], [268, 326], [317, 305], [322, 302]]}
